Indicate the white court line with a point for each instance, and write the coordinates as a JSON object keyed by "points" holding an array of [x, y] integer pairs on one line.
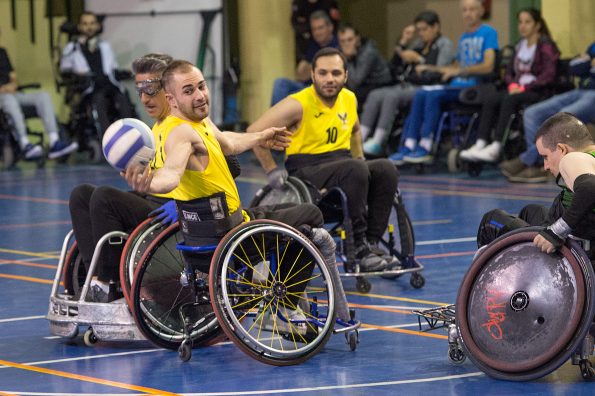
{"points": [[439, 241], [22, 318], [272, 391]]}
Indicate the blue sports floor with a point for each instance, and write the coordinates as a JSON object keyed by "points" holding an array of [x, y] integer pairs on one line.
{"points": [[392, 357]]}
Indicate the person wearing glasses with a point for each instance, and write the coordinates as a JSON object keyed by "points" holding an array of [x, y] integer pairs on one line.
{"points": [[97, 210]]}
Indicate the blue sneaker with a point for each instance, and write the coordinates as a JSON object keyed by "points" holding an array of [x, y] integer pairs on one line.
{"points": [[418, 156], [372, 148], [398, 157], [60, 149], [32, 151]]}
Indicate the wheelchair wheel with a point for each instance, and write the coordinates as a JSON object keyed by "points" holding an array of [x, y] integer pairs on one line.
{"points": [[134, 249], [260, 270], [74, 272], [399, 239], [522, 313], [294, 191], [158, 296]]}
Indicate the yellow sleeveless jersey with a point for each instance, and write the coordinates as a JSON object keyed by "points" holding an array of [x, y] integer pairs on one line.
{"points": [[323, 129], [197, 184]]}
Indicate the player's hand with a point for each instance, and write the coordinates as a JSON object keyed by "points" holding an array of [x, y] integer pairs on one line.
{"points": [[138, 177], [166, 214], [543, 244], [276, 138]]}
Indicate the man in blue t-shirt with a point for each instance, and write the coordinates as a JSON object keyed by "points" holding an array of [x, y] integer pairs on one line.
{"points": [[321, 28], [476, 56]]}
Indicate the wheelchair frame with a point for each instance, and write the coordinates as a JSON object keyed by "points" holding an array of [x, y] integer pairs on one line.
{"points": [[583, 345], [113, 321], [342, 232]]}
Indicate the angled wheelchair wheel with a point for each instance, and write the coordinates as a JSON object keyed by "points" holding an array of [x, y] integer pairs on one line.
{"points": [[136, 245], [522, 313], [293, 191], [159, 296], [261, 270], [74, 272]]}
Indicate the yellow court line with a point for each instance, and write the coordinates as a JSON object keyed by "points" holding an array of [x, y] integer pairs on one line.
{"points": [[26, 278], [478, 194], [26, 253], [85, 378], [7, 394], [431, 222], [397, 298], [405, 331], [28, 264]]}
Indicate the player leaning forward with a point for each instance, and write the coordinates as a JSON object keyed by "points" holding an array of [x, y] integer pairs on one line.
{"points": [[197, 173]]}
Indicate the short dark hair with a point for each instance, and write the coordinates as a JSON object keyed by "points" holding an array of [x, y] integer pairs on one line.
{"points": [[344, 26], [153, 63], [564, 128], [328, 51], [178, 65], [428, 16]]}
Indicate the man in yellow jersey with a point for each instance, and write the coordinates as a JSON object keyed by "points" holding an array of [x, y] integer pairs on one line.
{"points": [[97, 210], [326, 150], [196, 175]]}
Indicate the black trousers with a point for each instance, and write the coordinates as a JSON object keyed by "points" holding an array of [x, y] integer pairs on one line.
{"points": [[497, 222], [370, 187], [497, 110], [110, 104], [95, 211]]}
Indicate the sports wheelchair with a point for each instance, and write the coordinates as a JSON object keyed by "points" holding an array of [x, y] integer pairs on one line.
{"points": [[243, 288], [520, 313], [333, 205]]}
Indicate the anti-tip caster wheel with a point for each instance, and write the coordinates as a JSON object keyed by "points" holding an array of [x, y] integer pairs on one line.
{"points": [[587, 371], [363, 285], [89, 338], [456, 355], [352, 339], [185, 350], [417, 281]]}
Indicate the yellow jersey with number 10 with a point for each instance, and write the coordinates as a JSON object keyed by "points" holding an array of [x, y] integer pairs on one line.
{"points": [[323, 129]]}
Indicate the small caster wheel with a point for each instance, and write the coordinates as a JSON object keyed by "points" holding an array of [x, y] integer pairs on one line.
{"points": [[352, 339], [185, 350], [89, 338], [453, 161], [417, 281], [456, 355], [420, 169], [363, 285], [95, 151], [587, 371]]}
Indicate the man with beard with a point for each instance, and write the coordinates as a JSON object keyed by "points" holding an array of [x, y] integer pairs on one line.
{"points": [[326, 150], [190, 167]]}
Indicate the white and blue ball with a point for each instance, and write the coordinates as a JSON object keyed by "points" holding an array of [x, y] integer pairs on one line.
{"points": [[128, 142]]}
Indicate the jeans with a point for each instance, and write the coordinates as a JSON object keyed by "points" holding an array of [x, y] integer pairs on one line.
{"points": [[579, 102], [11, 103], [426, 110], [284, 87]]}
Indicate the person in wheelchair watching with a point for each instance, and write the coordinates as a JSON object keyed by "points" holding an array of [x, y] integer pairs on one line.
{"points": [[11, 101], [92, 60], [326, 150], [198, 178], [568, 152]]}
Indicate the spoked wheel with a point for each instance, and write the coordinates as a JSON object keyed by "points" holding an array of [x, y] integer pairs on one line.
{"points": [[134, 249], [74, 272], [260, 273], [158, 295], [522, 313]]}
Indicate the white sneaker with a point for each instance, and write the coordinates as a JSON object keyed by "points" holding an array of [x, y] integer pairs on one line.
{"points": [[490, 153], [469, 154], [284, 320]]}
